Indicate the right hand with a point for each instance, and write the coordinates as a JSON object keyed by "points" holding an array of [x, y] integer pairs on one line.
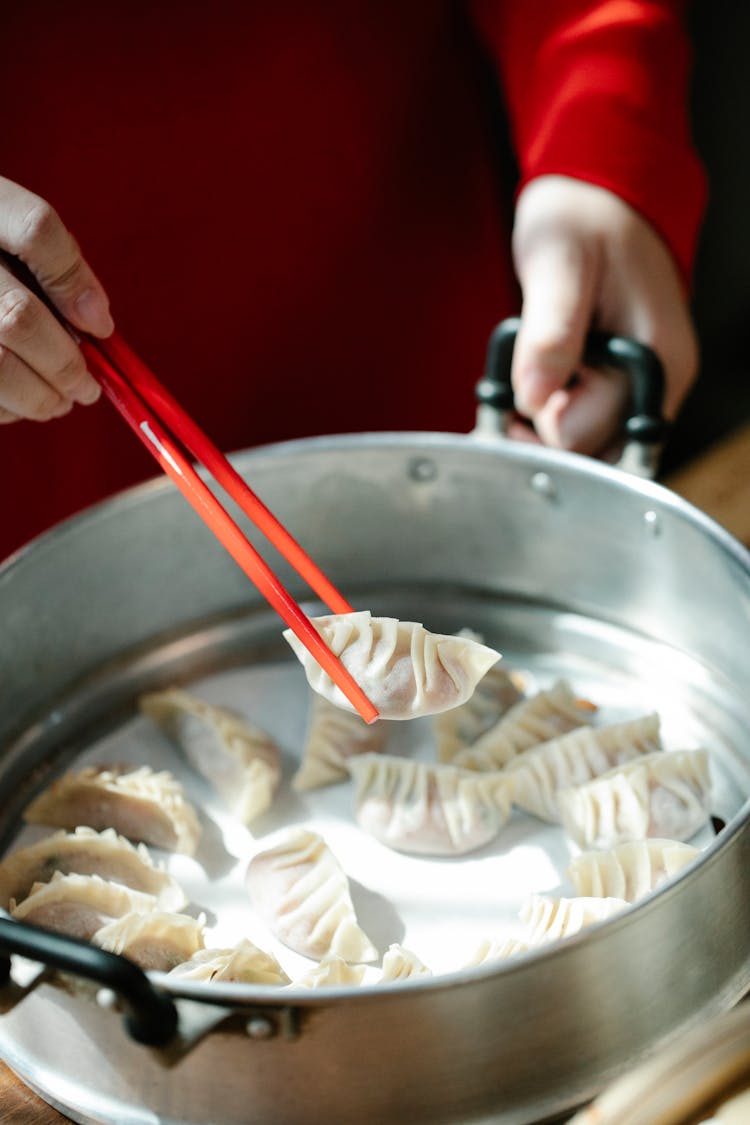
{"points": [[42, 371], [585, 258]]}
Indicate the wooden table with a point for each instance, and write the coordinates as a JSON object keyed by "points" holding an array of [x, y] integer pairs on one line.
{"points": [[718, 482]]}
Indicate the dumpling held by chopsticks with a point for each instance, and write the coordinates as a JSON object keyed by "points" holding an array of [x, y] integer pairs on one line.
{"points": [[404, 670]]}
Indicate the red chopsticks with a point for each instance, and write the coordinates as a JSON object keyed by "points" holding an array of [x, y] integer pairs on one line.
{"points": [[142, 400]]}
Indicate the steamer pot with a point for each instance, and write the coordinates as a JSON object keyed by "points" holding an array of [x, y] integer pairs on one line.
{"points": [[562, 555]]}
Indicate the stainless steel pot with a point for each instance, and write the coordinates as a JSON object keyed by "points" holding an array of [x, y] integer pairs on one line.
{"points": [[555, 553]]}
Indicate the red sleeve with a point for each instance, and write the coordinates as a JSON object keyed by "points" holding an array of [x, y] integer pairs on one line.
{"points": [[599, 91]]}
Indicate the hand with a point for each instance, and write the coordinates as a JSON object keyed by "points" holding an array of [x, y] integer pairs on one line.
{"points": [[585, 259], [42, 372]]}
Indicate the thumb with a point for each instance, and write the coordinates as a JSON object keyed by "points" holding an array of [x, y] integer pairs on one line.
{"points": [[558, 280], [33, 231]]}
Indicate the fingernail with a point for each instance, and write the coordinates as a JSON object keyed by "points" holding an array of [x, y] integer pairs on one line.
{"points": [[93, 313], [533, 391], [88, 394]]}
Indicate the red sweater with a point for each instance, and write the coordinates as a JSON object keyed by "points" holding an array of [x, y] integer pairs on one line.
{"points": [[294, 207]]}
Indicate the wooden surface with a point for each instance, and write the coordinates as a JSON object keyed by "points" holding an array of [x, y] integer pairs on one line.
{"points": [[18, 1106], [717, 482]]}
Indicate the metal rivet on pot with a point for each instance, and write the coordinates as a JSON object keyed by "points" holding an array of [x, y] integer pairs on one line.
{"points": [[260, 1027], [422, 469], [652, 523], [543, 484], [106, 998]]}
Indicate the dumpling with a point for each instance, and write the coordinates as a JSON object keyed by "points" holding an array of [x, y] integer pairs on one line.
{"points": [[140, 804], [460, 727], [245, 963], [301, 892], [156, 941], [629, 870], [539, 718], [86, 852], [79, 905], [403, 669], [549, 919], [330, 972], [241, 761], [538, 774], [401, 964], [664, 795], [497, 950], [428, 809], [334, 736]]}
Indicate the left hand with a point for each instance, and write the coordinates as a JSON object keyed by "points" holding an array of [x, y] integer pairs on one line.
{"points": [[585, 259]]}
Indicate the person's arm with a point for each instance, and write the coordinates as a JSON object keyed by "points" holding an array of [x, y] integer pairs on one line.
{"points": [[610, 198], [42, 372]]}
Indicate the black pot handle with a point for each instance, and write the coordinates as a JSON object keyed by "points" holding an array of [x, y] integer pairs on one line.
{"points": [[150, 1014], [645, 427]]}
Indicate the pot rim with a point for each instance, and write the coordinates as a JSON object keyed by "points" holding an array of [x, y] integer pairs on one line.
{"points": [[538, 455]]}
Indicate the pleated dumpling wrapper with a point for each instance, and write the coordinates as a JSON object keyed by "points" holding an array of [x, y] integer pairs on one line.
{"points": [[138, 803], [156, 941], [540, 773], [244, 963], [301, 892], [86, 852], [333, 737], [238, 759], [428, 809], [549, 919], [403, 669], [331, 972], [662, 795], [79, 905], [631, 869], [497, 949], [461, 727], [533, 720], [401, 964]]}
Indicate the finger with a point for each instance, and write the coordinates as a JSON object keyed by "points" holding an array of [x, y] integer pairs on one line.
{"points": [[558, 278], [520, 430], [588, 417], [671, 335], [31, 333], [7, 416], [32, 230], [24, 394]]}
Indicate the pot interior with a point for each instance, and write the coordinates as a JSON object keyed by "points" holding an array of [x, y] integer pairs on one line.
{"points": [[441, 909]]}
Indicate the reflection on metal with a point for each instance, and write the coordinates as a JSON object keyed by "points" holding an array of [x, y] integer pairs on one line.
{"points": [[543, 485]]}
